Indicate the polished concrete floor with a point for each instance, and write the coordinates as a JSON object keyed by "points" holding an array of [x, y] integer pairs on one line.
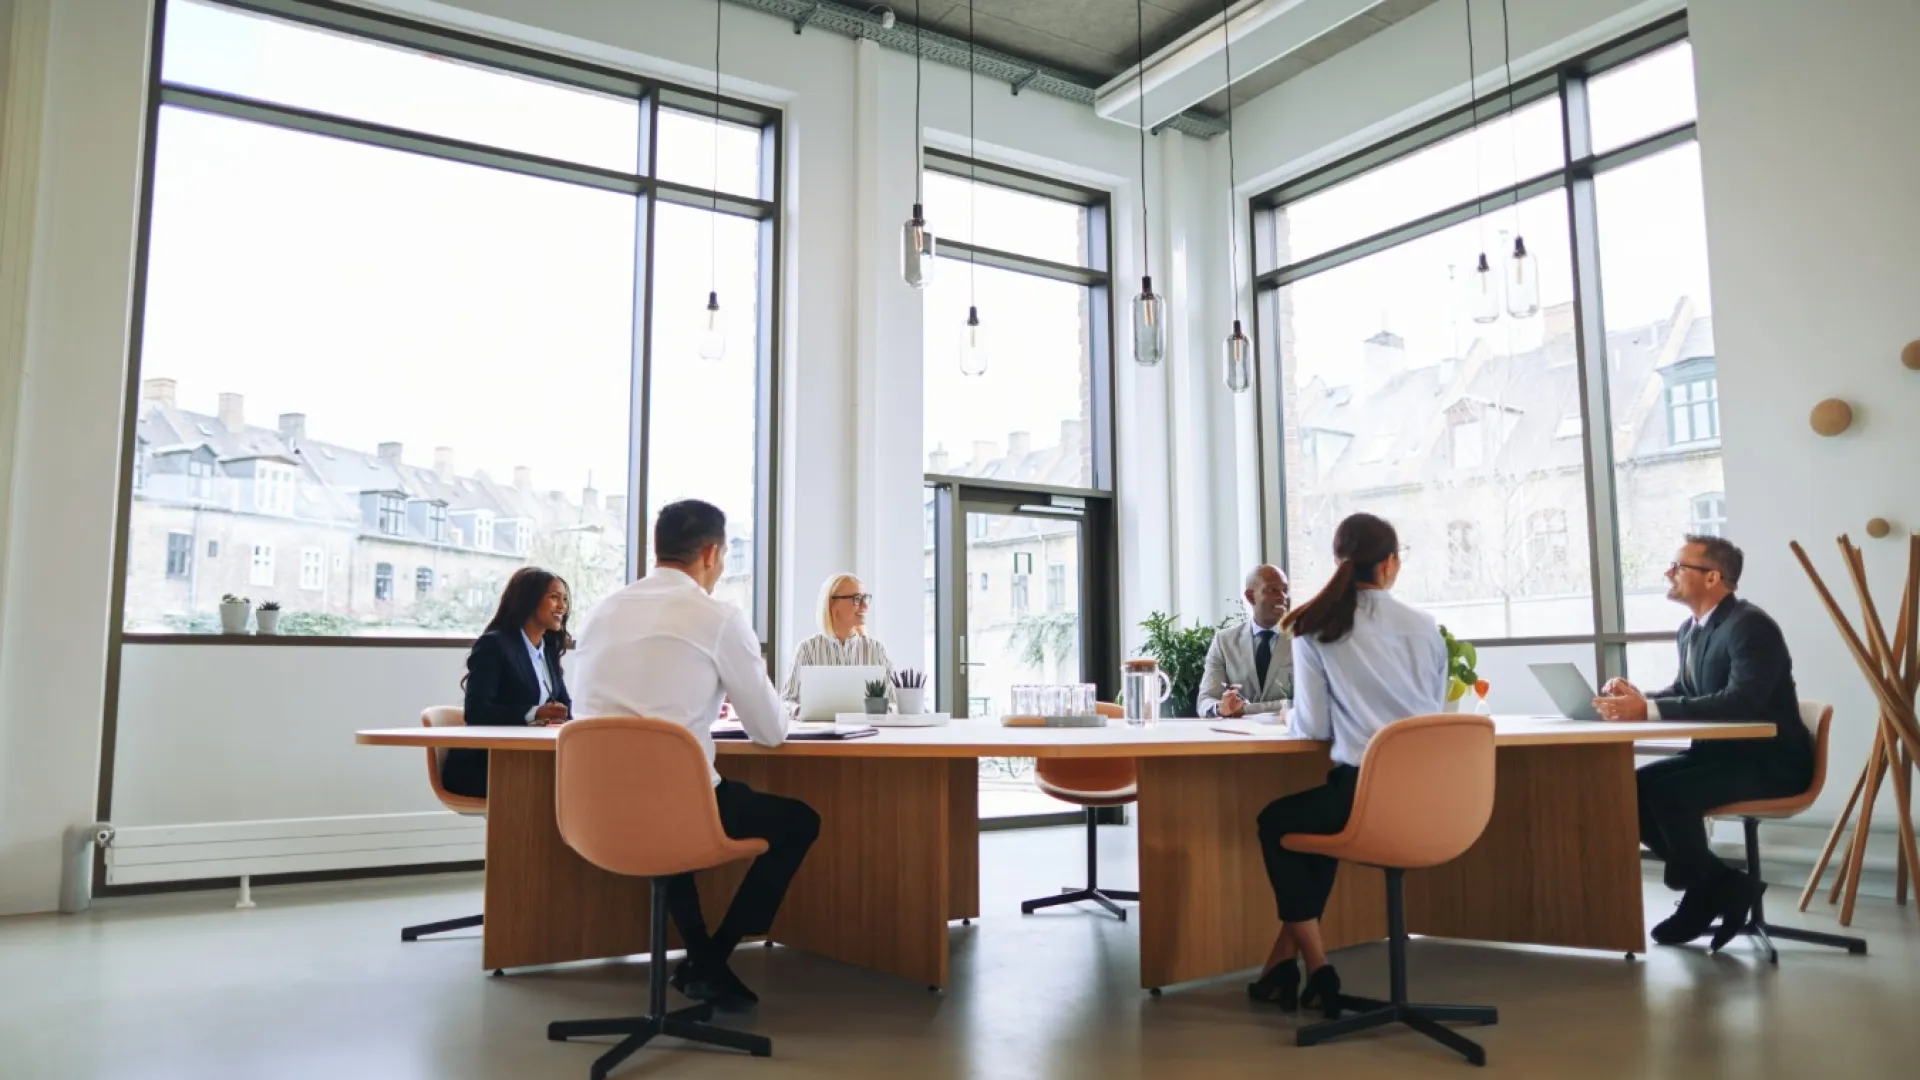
{"points": [[314, 982]]}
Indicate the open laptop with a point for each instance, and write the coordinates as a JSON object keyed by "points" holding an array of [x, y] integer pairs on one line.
{"points": [[1569, 689], [825, 692]]}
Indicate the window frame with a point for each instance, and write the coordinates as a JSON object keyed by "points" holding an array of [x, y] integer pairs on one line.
{"points": [[766, 207], [1575, 179], [180, 555]]}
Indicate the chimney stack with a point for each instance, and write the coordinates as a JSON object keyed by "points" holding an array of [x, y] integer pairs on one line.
{"points": [[158, 391], [1019, 444], [233, 413], [590, 498], [443, 461], [937, 460], [523, 478], [293, 427], [390, 452]]}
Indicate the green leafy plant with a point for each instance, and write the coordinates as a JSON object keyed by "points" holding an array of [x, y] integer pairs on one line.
{"points": [[316, 624], [877, 688], [1182, 653], [1035, 637], [232, 599], [270, 605], [1461, 659]]}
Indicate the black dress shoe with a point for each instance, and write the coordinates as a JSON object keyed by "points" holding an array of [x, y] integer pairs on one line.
{"points": [[1737, 895], [717, 985], [1322, 992], [1692, 916], [1280, 984]]}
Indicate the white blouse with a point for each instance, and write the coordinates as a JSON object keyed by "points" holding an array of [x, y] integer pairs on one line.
{"points": [[825, 650]]}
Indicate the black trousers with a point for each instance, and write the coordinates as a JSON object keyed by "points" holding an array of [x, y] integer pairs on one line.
{"points": [[1302, 882], [1674, 795], [789, 827]]}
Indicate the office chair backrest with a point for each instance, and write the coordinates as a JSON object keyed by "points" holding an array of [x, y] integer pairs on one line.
{"points": [[1425, 792]]}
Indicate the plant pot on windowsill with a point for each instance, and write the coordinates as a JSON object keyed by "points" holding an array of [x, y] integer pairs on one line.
{"points": [[267, 619], [234, 611]]}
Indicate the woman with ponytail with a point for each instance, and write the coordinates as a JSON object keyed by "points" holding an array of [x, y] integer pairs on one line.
{"points": [[1361, 660]]}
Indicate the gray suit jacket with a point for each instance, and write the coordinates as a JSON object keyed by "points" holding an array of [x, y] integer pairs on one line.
{"points": [[1230, 661]]}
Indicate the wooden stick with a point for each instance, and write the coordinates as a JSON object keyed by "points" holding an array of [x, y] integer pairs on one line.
{"points": [[1857, 859], [1895, 703], [1906, 860], [1833, 840]]}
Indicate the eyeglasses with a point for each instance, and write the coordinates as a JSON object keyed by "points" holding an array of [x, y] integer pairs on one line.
{"points": [[1676, 567], [860, 599]]}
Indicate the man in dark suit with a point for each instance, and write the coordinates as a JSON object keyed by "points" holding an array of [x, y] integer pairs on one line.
{"points": [[1733, 667]]}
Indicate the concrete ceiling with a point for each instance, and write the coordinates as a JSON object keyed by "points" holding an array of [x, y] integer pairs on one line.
{"points": [[1341, 38]]}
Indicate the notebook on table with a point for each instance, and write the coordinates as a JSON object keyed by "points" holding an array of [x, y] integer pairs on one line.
{"points": [[724, 729]]}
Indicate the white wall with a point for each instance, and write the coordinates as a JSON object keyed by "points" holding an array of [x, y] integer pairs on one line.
{"points": [[850, 456], [1810, 145]]}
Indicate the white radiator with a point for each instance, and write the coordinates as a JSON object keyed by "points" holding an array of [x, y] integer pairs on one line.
{"points": [[145, 854]]}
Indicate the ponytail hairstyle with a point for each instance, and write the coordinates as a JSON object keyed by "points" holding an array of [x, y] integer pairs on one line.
{"points": [[1360, 544]]}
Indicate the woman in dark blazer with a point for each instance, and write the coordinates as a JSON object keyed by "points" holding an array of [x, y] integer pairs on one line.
{"points": [[513, 673]]}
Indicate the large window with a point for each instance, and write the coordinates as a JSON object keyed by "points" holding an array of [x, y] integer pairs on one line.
{"points": [[394, 311], [1540, 463]]}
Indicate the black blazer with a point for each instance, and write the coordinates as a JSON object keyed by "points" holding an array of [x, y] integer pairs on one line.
{"points": [[1740, 671], [501, 688]]}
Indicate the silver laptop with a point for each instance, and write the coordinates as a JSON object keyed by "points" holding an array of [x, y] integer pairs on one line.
{"points": [[1569, 689], [825, 692]]}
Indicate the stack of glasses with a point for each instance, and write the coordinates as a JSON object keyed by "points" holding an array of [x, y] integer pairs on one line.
{"points": [[1064, 699]]}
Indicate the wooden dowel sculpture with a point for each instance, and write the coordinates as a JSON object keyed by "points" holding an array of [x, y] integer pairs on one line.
{"points": [[1892, 669]]}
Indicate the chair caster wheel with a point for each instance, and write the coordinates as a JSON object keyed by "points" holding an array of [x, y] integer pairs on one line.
{"points": [[497, 972], [1631, 957], [1154, 992], [767, 944], [966, 922]]}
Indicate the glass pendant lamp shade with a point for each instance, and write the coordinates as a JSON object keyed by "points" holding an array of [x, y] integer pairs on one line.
{"points": [[713, 332], [1484, 293], [1239, 360], [1149, 325], [916, 250], [1523, 282], [973, 345]]}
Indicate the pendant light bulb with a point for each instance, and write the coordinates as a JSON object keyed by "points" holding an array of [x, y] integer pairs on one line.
{"points": [[973, 345], [1149, 325], [1523, 281], [713, 332], [1238, 356], [916, 250], [1484, 293]]}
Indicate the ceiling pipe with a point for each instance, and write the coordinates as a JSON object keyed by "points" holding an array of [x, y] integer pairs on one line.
{"points": [[1019, 74]]}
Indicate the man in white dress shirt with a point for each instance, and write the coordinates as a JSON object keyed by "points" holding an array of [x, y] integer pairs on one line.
{"points": [[665, 648], [1250, 667]]}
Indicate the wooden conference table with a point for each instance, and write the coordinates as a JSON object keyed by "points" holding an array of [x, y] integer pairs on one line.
{"points": [[898, 854]]}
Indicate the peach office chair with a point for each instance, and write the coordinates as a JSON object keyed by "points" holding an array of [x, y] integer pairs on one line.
{"points": [[446, 716], [635, 797], [1819, 717], [1092, 783], [1425, 796]]}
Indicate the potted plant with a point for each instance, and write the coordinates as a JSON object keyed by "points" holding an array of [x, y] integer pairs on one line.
{"points": [[1461, 676], [1182, 654], [910, 690], [234, 611], [877, 696], [267, 619]]}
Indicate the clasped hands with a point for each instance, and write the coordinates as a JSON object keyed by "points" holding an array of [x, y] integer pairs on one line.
{"points": [[1622, 701]]}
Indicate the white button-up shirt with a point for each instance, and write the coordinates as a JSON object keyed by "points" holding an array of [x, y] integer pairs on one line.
{"points": [[1391, 666], [664, 648]]}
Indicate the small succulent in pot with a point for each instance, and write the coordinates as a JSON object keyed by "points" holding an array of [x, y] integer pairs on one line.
{"points": [[267, 617], [234, 613], [876, 696]]}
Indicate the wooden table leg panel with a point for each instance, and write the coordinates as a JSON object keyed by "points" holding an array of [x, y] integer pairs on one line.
{"points": [[1559, 863], [1206, 907], [875, 889], [963, 838]]}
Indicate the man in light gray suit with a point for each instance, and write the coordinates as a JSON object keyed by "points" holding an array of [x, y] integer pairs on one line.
{"points": [[1250, 667]]}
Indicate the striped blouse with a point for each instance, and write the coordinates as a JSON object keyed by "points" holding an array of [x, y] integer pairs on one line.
{"points": [[824, 650]]}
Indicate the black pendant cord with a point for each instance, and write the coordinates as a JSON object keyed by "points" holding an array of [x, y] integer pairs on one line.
{"points": [[919, 169], [1513, 137], [1140, 89], [1233, 216], [973, 183], [713, 200]]}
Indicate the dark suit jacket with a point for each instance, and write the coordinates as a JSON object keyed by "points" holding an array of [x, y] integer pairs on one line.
{"points": [[1740, 671], [501, 687]]}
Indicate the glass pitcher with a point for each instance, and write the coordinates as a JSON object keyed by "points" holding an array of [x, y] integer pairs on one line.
{"points": [[1143, 686]]}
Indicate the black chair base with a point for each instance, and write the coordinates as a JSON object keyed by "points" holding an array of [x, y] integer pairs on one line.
{"points": [[414, 933], [1369, 1013], [1366, 1014], [1092, 892], [1762, 931], [688, 1023]]}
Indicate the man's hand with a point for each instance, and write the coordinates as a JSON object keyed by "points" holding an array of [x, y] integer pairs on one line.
{"points": [[1233, 705], [553, 712], [1623, 702]]}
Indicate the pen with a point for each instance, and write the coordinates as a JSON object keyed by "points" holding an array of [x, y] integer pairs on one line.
{"points": [[1231, 731]]}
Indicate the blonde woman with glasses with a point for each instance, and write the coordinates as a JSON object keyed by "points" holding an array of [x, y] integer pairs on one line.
{"points": [[842, 640]]}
